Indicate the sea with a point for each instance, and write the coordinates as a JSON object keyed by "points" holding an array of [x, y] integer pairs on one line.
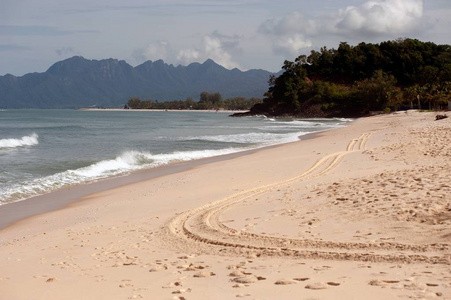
{"points": [[45, 150]]}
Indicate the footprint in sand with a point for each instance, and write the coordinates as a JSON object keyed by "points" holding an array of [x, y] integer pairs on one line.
{"points": [[323, 268], [236, 273], [192, 267], [158, 268], [431, 284], [317, 286], [173, 284], [391, 281], [182, 291], [187, 256], [245, 279], [285, 282], [382, 283], [301, 279], [204, 274]]}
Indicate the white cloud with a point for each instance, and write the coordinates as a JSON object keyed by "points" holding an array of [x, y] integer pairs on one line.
{"points": [[187, 56], [156, 51], [153, 51], [288, 35], [374, 19], [292, 23], [291, 44], [216, 47], [380, 17]]}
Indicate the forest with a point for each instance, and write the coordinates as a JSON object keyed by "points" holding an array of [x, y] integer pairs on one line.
{"points": [[357, 80], [211, 101]]}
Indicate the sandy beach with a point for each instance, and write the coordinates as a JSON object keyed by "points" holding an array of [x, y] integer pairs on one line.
{"points": [[361, 212]]}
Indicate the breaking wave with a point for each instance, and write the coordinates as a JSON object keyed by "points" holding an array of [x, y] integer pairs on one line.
{"points": [[29, 140], [251, 138], [121, 165]]}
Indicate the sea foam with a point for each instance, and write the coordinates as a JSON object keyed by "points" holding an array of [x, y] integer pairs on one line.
{"points": [[121, 165], [30, 140], [264, 138]]}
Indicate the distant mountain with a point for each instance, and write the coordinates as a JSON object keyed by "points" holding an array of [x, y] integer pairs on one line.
{"points": [[79, 82]]}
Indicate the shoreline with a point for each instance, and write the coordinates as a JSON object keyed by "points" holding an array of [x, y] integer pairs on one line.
{"points": [[359, 210], [11, 213]]}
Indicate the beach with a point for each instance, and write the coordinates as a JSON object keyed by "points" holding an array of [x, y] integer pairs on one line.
{"points": [[362, 211]]}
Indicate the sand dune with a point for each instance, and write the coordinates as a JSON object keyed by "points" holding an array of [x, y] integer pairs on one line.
{"points": [[362, 212]]}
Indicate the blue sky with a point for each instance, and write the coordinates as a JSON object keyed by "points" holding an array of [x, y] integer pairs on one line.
{"points": [[245, 34]]}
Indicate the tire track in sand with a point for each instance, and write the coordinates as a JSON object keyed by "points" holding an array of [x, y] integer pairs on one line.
{"points": [[201, 230]]}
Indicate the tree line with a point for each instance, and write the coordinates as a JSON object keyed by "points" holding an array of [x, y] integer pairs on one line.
{"points": [[210, 101], [354, 80]]}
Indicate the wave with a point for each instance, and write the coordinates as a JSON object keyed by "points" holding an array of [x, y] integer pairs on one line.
{"points": [[296, 124], [130, 161], [263, 138], [135, 160], [343, 120], [306, 120], [121, 165], [346, 120], [30, 140]]}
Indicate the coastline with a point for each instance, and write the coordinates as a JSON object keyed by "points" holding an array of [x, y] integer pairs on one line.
{"points": [[357, 210], [11, 213]]}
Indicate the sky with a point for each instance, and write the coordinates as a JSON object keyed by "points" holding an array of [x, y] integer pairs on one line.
{"points": [[243, 34]]}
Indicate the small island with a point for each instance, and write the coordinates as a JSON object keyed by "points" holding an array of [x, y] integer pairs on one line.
{"points": [[355, 81]]}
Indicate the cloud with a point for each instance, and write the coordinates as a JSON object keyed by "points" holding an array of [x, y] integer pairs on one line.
{"points": [[380, 18], [292, 23], [153, 51], [215, 46], [157, 51], [288, 35], [228, 42], [373, 19], [187, 56], [291, 44]]}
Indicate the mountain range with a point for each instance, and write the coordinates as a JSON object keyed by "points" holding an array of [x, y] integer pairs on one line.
{"points": [[79, 82]]}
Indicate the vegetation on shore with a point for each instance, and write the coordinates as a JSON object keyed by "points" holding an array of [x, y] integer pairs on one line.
{"points": [[211, 101], [355, 80]]}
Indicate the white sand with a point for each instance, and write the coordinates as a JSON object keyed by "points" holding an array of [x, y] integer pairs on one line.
{"points": [[362, 212]]}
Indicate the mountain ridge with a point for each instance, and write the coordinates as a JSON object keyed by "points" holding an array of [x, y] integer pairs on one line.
{"points": [[79, 82]]}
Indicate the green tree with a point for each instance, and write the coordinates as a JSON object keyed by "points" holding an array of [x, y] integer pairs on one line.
{"points": [[134, 102], [189, 103], [210, 101], [147, 104], [377, 91]]}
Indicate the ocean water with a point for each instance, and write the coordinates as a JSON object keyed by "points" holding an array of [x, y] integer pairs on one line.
{"points": [[45, 150]]}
